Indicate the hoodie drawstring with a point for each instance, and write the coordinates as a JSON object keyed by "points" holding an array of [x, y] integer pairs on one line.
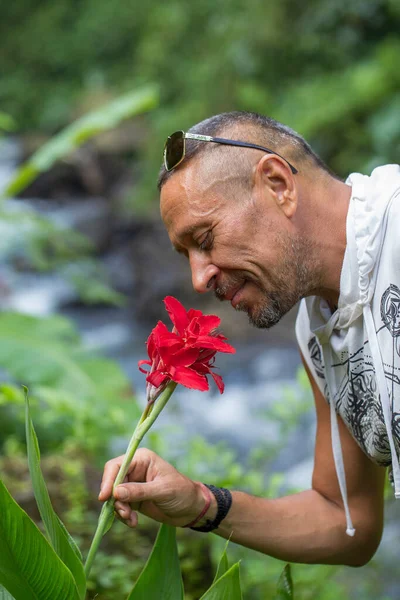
{"points": [[338, 453]]}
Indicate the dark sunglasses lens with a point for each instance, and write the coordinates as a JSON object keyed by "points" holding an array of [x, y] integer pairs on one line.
{"points": [[174, 150]]}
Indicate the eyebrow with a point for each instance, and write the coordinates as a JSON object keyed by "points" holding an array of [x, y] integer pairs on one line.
{"points": [[187, 231], [184, 233]]}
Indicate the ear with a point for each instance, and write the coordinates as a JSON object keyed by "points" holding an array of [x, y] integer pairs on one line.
{"points": [[275, 180]]}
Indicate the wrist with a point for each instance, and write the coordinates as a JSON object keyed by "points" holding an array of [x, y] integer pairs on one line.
{"points": [[204, 507], [212, 507], [223, 500]]}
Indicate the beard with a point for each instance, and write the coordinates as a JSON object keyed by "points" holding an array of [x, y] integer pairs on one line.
{"points": [[293, 278]]}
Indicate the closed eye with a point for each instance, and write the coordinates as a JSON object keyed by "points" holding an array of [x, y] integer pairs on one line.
{"points": [[207, 242]]}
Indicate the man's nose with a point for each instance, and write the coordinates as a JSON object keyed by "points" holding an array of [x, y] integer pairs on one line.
{"points": [[203, 273]]}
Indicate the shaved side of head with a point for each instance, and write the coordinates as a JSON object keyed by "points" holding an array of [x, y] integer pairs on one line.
{"points": [[237, 162]]}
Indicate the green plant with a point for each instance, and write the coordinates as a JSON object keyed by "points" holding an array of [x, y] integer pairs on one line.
{"points": [[35, 239], [52, 569], [67, 382], [80, 132]]}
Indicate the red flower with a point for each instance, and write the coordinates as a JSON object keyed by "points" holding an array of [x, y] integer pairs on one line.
{"points": [[187, 353]]}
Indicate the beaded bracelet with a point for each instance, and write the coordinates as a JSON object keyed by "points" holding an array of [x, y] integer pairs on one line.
{"points": [[224, 502]]}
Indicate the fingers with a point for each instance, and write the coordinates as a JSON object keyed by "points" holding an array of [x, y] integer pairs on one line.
{"points": [[130, 520], [111, 469], [124, 510], [139, 465], [137, 492]]}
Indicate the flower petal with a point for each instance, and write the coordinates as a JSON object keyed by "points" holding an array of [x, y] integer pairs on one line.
{"points": [[144, 362], [219, 381], [208, 323], [189, 378], [157, 378], [193, 313], [213, 342], [184, 357], [167, 351], [187, 353], [177, 314], [153, 339], [207, 356], [201, 367]]}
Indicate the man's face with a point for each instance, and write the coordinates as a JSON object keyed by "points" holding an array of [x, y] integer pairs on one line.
{"points": [[241, 247]]}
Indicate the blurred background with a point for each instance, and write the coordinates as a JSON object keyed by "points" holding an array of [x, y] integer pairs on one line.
{"points": [[88, 93]]}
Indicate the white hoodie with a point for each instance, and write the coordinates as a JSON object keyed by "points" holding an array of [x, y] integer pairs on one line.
{"points": [[354, 353]]}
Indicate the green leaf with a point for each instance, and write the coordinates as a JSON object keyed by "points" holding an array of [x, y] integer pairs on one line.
{"points": [[107, 508], [161, 576], [61, 362], [284, 590], [8, 124], [4, 594], [223, 564], [59, 537], [79, 132], [226, 587], [29, 567]]}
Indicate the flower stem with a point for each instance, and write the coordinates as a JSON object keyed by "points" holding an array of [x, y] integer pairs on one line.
{"points": [[106, 517]]}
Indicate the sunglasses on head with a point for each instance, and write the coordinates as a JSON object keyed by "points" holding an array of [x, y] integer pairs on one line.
{"points": [[174, 149]]}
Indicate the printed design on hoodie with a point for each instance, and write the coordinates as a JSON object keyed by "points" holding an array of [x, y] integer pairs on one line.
{"points": [[316, 357], [390, 309], [357, 398], [390, 313]]}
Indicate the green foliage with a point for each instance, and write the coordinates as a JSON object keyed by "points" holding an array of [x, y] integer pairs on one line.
{"points": [[59, 537], [223, 564], [227, 587], [67, 382], [29, 567], [7, 123], [89, 279], [62, 362], [35, 238], [298, 400], [326, 69], [40, 243], [161, 576], [4, 595], [284, 589], [79, 132], [220, 464]]}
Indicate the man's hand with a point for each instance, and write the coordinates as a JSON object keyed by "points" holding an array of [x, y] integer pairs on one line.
{"points": [[154, 488]]}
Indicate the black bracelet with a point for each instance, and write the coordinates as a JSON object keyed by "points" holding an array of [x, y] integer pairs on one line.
{"points": [[224, 502]]}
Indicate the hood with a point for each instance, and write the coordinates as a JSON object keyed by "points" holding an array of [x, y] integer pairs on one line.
{"points": [[365, 232]]}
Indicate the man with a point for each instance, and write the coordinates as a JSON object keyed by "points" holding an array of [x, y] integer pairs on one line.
{"points": [[264, 223]]}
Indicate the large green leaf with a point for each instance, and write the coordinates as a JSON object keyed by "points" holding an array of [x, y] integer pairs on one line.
{"points": [[48, 352], [79, 132], [161, 576], [29, 567], [4, 594], [284, 590], [226, 587], [59, 537], [223, 564]]}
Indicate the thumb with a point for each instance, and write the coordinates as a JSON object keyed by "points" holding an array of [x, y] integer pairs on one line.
{"points": [[136, 492]]}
